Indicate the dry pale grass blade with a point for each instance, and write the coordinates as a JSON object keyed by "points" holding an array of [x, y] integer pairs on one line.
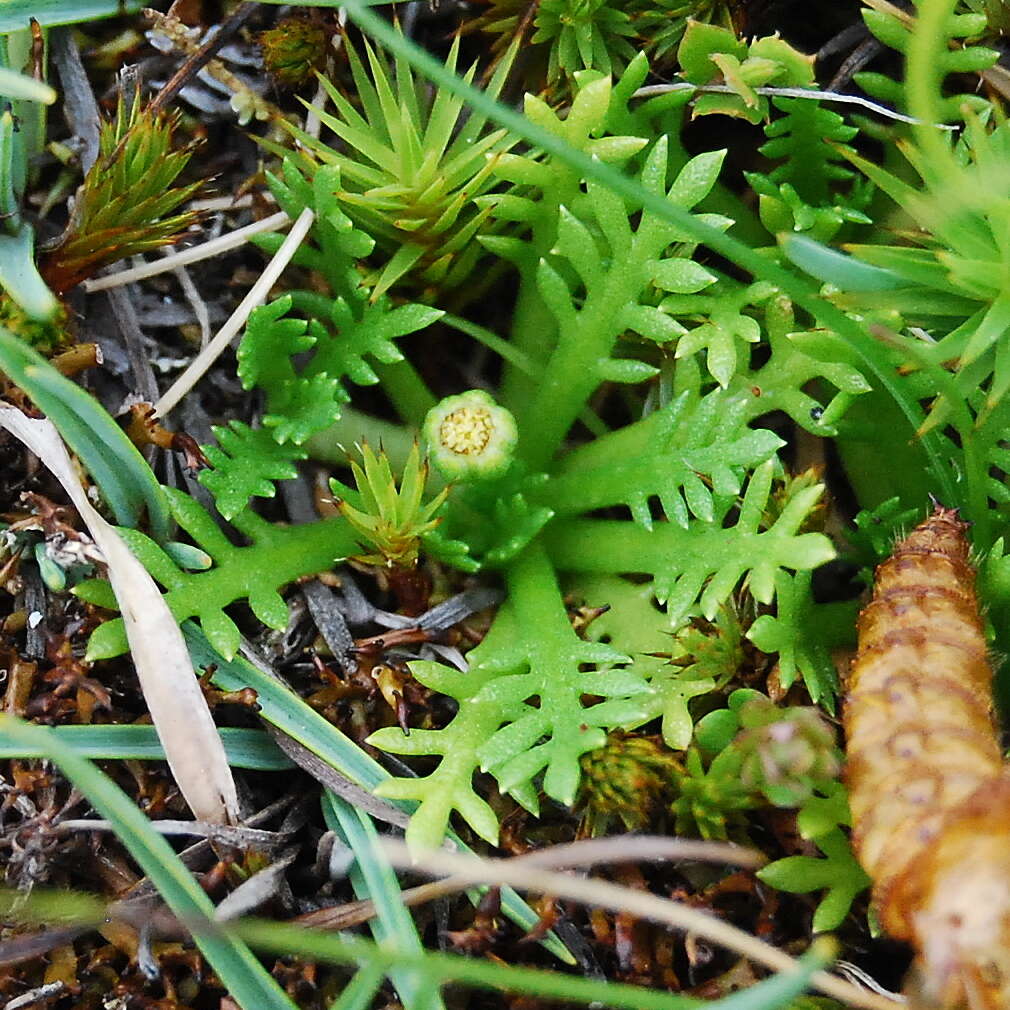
{"points": [[584, 853], [809, 94], [257, 293], [642, 849], [178, 708], [518, 873], [256, 296], [194, 254]]}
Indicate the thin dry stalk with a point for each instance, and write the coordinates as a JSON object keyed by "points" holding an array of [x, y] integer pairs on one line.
{"points": [[202, 56], [256, 296], [585, 853], [518, 873], [206, 250]]}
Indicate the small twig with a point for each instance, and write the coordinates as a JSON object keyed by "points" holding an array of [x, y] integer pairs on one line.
{"points": [[196, 303], [845, 39], [46, 992], [257, 294], [854, 62], [199, 59], [325, 774], [810, 93], [238, 835], [200, 854], [582, 854], [600, 893], [998, 78], [79, 102], [33, 601], [255, 890], [29, 946], [330, 622], [123, 311], [206, 250]]}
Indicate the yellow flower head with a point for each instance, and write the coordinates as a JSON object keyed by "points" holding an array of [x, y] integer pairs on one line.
{"points": [[470, 437]]}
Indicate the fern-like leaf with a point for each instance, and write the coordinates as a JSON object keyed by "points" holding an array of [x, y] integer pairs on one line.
{"points": [[688, 458], [706, 561], [523, 708], [245, 464], [797, 634], [275, 556], [953, 55]]}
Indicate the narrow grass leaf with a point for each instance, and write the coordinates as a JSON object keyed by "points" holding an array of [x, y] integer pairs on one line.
{"points": [[20, 278], [282, 939], [783, 988], [834, 267], [114, 462], [16, 14], [360, 992], [245, 748], [247, 981], [15, 85], [373, 877]]}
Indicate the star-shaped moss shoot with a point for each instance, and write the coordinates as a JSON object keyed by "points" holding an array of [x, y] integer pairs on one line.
{"points": [[389, 520], [469, 437]]}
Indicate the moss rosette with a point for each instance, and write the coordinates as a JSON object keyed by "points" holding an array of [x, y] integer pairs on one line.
{"points": [[470, 437]]}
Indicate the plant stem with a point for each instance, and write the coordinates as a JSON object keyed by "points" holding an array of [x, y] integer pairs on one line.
{"points": [[533, 333], [355, 427], [572, 373], [406, 389]]}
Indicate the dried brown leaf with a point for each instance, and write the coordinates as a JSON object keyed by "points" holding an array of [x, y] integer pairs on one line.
{"points": [[178, 708]]}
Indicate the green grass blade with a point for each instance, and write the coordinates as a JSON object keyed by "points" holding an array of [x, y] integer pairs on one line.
{"points": [[21, 280], [281, 939], [15, 14], [285, 710], [15, 85], [834, 267], [246, 748], [114, 462], [248, 982], [376, 960], [782, 989], [372, 876], [360, 992], [772, 994]]}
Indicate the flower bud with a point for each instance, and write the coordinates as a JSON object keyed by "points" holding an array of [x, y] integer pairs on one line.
{"points": [[470, 437]]}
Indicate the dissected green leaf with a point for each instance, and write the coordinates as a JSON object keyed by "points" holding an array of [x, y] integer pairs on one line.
{"points": [[797, 634], [839, 874], [704, 562], [244, 464], [275, 556]]}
